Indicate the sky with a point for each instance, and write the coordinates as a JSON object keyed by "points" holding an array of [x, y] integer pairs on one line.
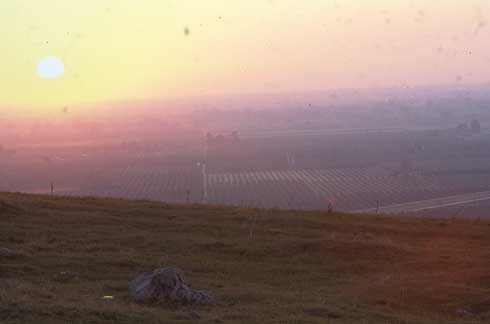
{"points": [[122, 50]]}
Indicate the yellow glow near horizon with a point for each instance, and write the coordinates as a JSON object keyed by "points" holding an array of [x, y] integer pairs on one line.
{"points": [[127, 49]]}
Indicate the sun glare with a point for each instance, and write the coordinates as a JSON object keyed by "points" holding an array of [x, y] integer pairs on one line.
{"points": [[50, 67]]}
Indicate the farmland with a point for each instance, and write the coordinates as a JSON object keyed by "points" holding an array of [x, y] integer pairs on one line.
{"points": [[347, 171], [148, 174]]}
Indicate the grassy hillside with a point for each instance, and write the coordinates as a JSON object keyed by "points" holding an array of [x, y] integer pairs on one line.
{"points": [[265, 266]]}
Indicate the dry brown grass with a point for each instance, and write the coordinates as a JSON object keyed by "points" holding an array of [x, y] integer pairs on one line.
{"points": [[265, 266]]}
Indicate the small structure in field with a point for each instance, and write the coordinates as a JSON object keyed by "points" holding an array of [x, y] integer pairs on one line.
{"points": [[166, 286]]}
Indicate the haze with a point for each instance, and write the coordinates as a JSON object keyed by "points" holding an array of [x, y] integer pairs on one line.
{"points": [[350, 105], [123, 50]]}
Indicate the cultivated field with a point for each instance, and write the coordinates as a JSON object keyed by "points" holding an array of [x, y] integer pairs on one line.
{"points": [[141, 175], [344, 189], [349, 172], [301, 170]]}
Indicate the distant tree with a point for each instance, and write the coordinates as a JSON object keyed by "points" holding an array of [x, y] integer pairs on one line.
{"points": [[419, 147], [475, 126], [463, 127], [209, 138], [235, 137]]}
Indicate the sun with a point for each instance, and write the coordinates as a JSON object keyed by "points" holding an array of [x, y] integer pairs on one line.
{"points": [[50, 67]]}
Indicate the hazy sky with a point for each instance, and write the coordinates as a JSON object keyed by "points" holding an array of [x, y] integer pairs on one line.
{"points": [[129, 49]]}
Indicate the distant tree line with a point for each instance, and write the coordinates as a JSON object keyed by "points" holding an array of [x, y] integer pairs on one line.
{"points": [[221, 139], [474, 127]]}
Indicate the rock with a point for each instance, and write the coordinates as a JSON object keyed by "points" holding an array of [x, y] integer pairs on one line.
{"points": [[7, 252], [166, 285], [188, 315]]}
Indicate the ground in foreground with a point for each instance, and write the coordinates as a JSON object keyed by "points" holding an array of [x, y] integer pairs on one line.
{"points": [[265, 266]]}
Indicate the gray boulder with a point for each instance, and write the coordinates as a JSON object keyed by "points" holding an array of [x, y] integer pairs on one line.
{"points": [[166, 285]]}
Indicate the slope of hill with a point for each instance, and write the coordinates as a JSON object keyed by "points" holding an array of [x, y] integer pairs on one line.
{"points": [[265, 266]]}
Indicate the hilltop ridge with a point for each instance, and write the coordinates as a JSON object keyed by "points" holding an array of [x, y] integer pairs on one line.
{"points": [[264, 266]]}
